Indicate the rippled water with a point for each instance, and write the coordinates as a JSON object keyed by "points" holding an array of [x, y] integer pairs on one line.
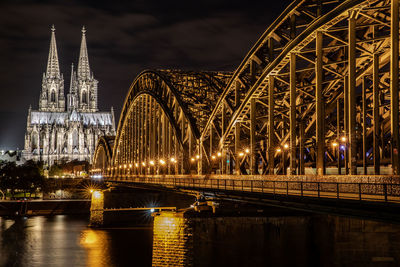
{"points": [[67, 241], [178, 241]]}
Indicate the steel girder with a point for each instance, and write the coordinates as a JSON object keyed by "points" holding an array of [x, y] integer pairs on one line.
{"points": [[319, 88], [300, 91], [103, 154], [162, 117]]}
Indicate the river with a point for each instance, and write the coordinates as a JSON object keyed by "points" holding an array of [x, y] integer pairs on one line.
{"points": [[309, 240]]}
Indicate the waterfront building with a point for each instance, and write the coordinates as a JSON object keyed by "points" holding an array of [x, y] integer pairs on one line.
{"points": [[65, 129]]}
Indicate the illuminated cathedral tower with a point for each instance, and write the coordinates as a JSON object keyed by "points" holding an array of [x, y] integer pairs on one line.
{"points": [[55, 133]]}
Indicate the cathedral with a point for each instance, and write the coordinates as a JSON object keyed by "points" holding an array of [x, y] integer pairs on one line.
{"points": [[65, 129]]}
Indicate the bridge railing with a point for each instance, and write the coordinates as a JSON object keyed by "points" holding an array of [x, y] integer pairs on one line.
{"points": [[382, 192]]}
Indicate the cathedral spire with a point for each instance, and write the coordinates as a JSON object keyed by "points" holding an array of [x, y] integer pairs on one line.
{"points": [[83, 64], [72, 83], [53, 69]]}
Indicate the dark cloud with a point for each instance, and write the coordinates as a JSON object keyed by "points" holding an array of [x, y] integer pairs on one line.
{"points": [[124, 38]]}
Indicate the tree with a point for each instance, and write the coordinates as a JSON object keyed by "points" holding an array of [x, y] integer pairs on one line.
{"points": [[27, 177]]}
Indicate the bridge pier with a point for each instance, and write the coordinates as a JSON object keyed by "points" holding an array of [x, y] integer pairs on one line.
{"points": [[97, 209]]}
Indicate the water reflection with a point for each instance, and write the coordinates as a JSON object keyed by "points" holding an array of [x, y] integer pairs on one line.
{"points": [[96, 243], [181, 240], [67, 241]]}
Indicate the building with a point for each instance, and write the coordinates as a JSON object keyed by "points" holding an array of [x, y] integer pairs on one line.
{"points": [[10, 156], [65, 129]]}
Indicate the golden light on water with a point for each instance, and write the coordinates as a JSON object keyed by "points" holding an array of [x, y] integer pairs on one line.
{"points": [[89, 237], [97, 244]]}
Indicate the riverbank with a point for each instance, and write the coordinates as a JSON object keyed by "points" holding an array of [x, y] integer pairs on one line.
{"points": [[44, 207]]}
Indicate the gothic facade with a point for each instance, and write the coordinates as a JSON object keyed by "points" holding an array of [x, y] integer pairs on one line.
{"points": [[66, 129]]}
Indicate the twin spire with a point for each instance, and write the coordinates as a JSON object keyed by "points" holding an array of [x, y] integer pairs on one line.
{"points": [[83, 64], [53, 68]]}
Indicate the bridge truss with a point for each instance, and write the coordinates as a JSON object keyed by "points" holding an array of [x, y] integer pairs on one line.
{"points": [[319, 89]]}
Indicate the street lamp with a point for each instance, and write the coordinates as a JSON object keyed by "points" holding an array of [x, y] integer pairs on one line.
{"points": [[285, 146]]}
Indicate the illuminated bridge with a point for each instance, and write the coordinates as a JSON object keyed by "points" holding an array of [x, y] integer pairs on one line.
{"points": [[315, 100]]}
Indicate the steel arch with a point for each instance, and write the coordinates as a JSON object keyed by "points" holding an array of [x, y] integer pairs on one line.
{"points": [[175, 95], [270, 58]]}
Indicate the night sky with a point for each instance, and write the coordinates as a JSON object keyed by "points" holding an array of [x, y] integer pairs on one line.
{"points": [[124, 38]]}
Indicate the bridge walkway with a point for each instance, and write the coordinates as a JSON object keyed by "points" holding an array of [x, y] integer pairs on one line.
{"points": [[380, 192]]}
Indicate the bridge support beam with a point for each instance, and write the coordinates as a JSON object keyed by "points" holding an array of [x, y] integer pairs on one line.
{"points": [[346, 122], [320, 131], [271, 128], [223, 153], [339, 160], [352, 96], [364, 124], [376, 121], [237, 130], [253, 163], [292, 115], [200, 160], [394, 85]]}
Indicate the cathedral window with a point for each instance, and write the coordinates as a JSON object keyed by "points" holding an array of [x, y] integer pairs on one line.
{"points": [[84, 97], [75, 141], [53, 96], [35, 140]]}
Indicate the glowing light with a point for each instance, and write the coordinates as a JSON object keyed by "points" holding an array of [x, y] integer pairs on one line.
{"points": [[192, 159], [278, 150], [120, 166], [247, 151], [96, 194], [144, 164], [334, 144], [213, 157], [344, 139], [162, 162], [285, 146], [152, 210], [197, 156], [241, 154], [151, 162], [130, 166], [136, 165], [219, 154], [124, 166], [172, 159], [91, 190]]}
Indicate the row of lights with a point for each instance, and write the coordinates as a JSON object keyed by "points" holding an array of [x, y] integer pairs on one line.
{"points": [[286, 146], [213, 157], [151, 163]]}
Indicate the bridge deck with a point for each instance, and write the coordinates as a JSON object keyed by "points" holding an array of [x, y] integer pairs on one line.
{"points": [[362, 191]]}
